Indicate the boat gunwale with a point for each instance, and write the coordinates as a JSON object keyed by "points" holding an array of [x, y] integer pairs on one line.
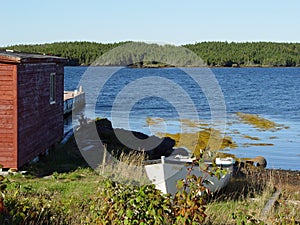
{"points": [[184, 163]]}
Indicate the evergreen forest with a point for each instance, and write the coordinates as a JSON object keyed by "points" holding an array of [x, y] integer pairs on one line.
{"points": [[214, 54]]}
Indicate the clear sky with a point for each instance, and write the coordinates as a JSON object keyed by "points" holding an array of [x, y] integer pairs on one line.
{"points": [[166, 21]]}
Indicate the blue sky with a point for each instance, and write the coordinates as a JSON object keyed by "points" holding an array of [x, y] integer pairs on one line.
{"points": [[166, 21]]}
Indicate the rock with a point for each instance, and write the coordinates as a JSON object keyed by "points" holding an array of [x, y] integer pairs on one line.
{"points": [[120, 139], [260, 161]]}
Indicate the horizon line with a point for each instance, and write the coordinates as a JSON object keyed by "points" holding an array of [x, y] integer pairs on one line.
{"points": [[151, 42]]}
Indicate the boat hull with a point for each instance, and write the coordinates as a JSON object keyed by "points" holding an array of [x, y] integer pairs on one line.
{"points": [[165, 175]]}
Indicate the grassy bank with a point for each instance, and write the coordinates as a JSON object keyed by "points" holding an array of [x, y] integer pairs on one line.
{"points": [[62, 189]]}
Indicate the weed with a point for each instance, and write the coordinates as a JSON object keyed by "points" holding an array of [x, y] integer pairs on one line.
{"points": [[259, 122], [208, 138]]}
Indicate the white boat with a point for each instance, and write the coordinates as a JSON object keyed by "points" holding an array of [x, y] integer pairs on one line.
{"points": [[165, 172]]}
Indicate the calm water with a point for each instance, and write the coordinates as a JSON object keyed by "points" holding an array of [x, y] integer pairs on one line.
{"points": [[273, 93]]}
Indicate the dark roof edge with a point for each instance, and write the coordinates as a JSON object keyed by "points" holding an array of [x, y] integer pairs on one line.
{"points": [[9, 56]]}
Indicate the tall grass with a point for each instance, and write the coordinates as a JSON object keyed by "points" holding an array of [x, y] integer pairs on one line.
{"points": [[127, 167], [246, 201]]}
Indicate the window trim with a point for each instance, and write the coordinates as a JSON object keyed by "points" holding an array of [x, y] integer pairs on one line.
{"points": [[52, 98]]}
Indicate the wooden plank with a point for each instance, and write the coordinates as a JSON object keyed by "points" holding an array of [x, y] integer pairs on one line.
{"points": [[7, 97], [6, 151], [7, 139], [5, 87], [6, 131], [7, 154], [6, 90], [6, 102], [5, 75], [6, 114], [6, 72], [6, 107], [6, 126], [6, 120], [6, 67], [9, 144], [6, 144], [3, 136], [6, 83], [7, 161]]}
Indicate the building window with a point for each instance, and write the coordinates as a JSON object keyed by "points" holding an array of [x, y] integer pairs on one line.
{"points": [[52, 88]]}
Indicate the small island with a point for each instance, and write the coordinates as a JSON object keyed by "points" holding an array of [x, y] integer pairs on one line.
{"points": [[151, 65]]}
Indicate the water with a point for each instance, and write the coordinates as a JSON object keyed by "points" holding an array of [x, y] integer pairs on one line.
{"points": [[273, 93]]}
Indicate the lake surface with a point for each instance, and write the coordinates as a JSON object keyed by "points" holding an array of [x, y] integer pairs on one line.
{"points": [[129, 96]]}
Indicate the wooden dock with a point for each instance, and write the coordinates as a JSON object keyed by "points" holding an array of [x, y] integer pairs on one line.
{"points": [[73, 99]]}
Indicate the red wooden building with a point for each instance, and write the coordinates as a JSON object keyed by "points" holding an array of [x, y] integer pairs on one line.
{"points": [[31, 105]]}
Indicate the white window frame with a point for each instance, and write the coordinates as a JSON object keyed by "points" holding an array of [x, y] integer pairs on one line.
{"points": [[52, 88]]}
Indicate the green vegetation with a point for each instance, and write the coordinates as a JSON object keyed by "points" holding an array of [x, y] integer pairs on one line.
{"points": [[246, 201], [78, 52], [85, 197], [152, 64], [219, 54], [248, 53], [139, 54]]}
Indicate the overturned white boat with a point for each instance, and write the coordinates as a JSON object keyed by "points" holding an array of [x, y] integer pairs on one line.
{"points": [[165, 172]]}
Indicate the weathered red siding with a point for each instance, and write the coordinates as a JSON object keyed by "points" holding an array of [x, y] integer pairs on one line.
{"points": [[29, 123], [40, 123], [8, 116]]}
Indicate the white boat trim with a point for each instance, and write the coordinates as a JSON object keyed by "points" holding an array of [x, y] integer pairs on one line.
{"points": [[165, 172]]}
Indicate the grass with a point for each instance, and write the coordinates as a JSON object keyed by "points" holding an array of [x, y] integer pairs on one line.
{"points": [[58, 196], [244, 201], [76, 196], [128, 168], [64, 158]]}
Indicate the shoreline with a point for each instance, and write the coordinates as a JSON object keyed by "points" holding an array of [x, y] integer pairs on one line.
{"points": [[209, 67]]}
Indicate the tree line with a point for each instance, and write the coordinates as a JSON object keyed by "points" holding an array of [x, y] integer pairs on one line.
{"points": [[140, 54], [78, 52], [248, 53], [215, 54]]}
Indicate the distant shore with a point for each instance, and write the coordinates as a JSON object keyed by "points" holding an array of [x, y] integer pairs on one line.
{"points": [[214, 53], [166, 66]]}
